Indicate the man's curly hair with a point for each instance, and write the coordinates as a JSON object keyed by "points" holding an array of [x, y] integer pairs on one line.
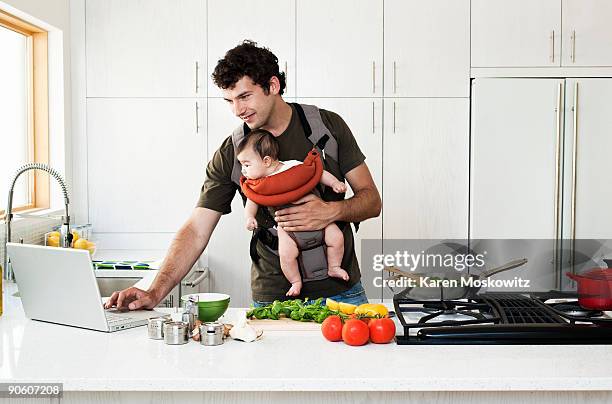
{"points": [[248, 59]]}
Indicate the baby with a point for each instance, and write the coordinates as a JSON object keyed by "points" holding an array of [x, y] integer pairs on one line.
{"points": [[258, 155]]}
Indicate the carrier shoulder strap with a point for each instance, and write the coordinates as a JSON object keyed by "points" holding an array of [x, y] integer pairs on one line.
{"points": [[317, 133]]}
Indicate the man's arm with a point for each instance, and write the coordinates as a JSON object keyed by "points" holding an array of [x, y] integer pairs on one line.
{"points": [[315, 214], [187, 245]]}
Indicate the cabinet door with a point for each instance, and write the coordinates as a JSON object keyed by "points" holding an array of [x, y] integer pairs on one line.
{"points": [[589, 131], [339, 48], [514, 158], [427, 48], [425, 183], [518, 33], [228, 249], [364, 118], [145, 163], [250, 19], [587, 33], [145, 48]]}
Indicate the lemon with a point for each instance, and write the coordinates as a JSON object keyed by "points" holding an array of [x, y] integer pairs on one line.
{"points": [[346, 308], [53, 241], [81, 244], [54, 234], [75, 235], [372, 309], [332, 304]]}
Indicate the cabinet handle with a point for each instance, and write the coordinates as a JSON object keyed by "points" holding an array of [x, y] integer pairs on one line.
{"points": [[394, 77], [573, 47], [574, 166], [373, 77], [393, 116], [197, 117], [373, 129], [552, 46], [558, 117], [286, 75], [197, 79]]}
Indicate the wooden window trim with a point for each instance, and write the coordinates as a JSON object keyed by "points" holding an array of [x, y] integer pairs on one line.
{"points": [[38, 109]]}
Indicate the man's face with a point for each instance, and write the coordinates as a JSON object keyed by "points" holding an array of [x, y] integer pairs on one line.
{"points": [[249, 102]]}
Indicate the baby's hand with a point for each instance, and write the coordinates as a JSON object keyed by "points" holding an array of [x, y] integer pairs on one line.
{"points": [[339, 187], [251, 223]]}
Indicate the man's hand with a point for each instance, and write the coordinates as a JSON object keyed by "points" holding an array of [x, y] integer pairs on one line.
{"points": [[132, 298], [311, 214]]}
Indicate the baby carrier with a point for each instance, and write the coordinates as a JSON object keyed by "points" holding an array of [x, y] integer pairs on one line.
{"points": [[312, 259]]}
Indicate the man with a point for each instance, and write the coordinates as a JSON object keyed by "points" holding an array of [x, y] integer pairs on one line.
{"points": [[252, 85]]}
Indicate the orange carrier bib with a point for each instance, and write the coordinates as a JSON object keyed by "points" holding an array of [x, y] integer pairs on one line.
{"points": [[286, 187]]}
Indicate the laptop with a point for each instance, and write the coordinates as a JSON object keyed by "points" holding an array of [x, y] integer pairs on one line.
{"points": [[58, 285]]}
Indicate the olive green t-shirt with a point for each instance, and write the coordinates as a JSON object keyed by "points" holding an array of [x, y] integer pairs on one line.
{"points": [[267, 280]]}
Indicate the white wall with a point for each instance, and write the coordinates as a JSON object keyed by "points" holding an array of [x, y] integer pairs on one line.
{"points": [[53, 16]]}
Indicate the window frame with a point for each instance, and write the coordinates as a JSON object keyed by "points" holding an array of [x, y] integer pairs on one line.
{"points": [[38, 110]]}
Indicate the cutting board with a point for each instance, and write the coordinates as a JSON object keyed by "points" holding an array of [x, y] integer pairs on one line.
{"points": [[284, 324]]}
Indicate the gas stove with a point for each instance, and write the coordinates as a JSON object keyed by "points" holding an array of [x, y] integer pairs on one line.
{"points": [[501, 318]]}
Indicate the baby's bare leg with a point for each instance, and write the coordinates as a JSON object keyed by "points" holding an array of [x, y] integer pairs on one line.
{"points": [[288, 253], [335, 250]]}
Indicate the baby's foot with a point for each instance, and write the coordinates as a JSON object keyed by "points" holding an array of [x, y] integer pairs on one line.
{"points": [[337, 272], [295, 289]]}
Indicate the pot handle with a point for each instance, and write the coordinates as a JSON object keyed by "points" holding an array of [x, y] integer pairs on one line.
{"points": [[505, 267], [573, 276]]}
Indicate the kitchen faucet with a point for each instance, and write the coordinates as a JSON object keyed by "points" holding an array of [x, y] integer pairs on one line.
{"points": [[66, 238]]}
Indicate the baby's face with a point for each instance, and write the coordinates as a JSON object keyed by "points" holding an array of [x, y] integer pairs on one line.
{"points": [[253, 166]]}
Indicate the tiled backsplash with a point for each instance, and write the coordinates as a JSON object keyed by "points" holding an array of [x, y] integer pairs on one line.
{"points": [[31, 230]]}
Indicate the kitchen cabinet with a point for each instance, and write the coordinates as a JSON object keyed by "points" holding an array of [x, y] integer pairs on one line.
{"points": [[519, 33], [339, 50], [425, 168], [427, 48], [425, 172], [516, 168], [250, 19], [228, 247], [588, 125], [587, 33], [146, 161], [515, 132], [364, 118], [155, 48]]}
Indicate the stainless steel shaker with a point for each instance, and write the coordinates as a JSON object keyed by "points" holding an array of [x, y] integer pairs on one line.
{"points": [[176, 333], [211, 334], [155, 327], [190, 314]]}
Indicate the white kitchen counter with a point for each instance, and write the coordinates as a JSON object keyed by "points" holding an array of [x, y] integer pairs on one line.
{"points": [[87, 360]]}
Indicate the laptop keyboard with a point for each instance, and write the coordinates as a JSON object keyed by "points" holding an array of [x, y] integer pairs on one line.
{"points": [[114, 319]]}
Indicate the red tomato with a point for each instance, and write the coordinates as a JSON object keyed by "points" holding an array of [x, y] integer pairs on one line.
{"points": [[382, 330], [332, 328], [355, 332]]}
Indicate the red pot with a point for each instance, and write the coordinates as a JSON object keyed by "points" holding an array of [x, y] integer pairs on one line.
{"points": [[594, 288]]}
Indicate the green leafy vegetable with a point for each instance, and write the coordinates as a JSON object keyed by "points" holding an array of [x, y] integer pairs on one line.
{"points": [[297, 309]]}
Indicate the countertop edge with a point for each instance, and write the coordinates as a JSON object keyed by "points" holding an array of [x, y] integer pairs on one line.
{"points": [[345, 385]]}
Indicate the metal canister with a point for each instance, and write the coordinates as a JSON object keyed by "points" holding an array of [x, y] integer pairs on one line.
{"points": [[155, 327], [211, 334], [176, 333], [190, 315]]}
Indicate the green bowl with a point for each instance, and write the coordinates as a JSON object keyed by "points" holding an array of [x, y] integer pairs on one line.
{"points": [[211, 306]]}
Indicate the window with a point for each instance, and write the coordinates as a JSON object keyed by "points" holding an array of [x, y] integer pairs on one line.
{"points": [[23, 112]]}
